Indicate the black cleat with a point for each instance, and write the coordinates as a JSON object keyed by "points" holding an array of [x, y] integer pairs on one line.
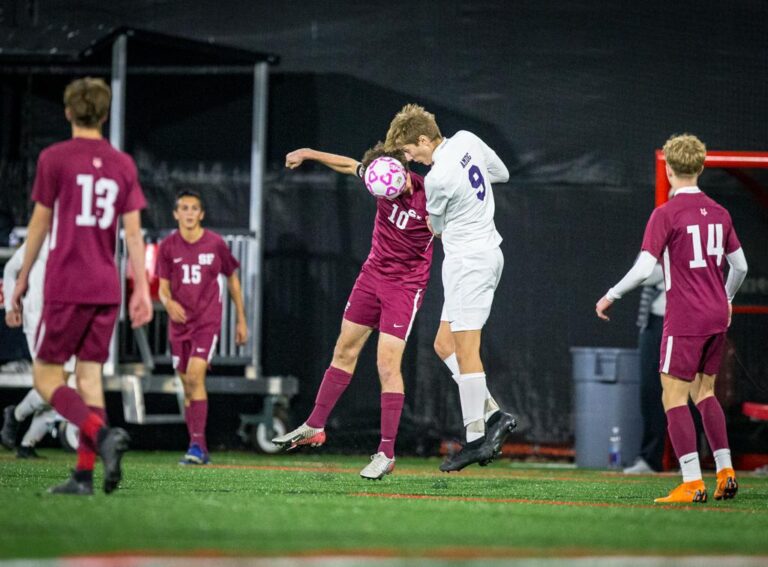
{"points": [[111, 444], [10, 429], [27, 453], [477, 451], [79, 484], [497, 429]]}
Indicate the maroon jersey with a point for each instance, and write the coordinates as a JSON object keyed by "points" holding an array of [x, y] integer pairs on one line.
{"points": [[401, 245], [88, 184], [193, 270], [690, 235]]}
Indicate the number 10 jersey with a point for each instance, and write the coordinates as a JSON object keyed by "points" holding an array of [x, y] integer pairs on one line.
{"points": [[88, 184], [690, 235]]}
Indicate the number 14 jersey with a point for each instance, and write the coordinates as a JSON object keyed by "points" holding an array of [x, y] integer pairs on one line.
{"points": [[690, 235], [88, 184]]}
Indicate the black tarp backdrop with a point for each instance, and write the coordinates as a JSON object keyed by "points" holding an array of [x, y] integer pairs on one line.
{"points": [[574, 96]]}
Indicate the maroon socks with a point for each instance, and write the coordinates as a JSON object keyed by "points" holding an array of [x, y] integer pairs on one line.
{"points": [[86, 448], [71, 406], [334, 383], [391, 409], [713, 419], [682, 431], [197, 417]]}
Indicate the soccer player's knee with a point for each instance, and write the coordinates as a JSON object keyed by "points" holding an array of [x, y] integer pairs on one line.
{"points": [[344, 355], [443, 348]]}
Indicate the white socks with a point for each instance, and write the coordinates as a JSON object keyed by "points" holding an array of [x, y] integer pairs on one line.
{"points": [[29, 405], [491, 406], [690, 467], [472, 392], [722, 459]]}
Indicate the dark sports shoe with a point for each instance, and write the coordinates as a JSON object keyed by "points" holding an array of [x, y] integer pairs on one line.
{"points": [[27, 453], [477, 451], [111, 443], [497, 429], [10, 429], [75, 486]]}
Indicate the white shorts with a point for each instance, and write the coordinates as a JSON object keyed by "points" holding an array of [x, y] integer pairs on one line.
{"points": [[469, 283]]}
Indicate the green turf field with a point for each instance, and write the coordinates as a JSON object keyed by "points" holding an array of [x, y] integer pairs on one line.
{"points": [[317, 504]]}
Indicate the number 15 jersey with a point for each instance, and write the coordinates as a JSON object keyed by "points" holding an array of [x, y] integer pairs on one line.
{"points": [[690, 235], [88, 184]]}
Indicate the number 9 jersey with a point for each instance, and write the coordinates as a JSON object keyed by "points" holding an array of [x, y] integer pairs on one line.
{"points": [[690, 235], [88, 184], [459, 193]]}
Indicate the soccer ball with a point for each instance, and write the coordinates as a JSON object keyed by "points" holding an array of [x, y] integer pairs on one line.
{"points": [[385, 177]]}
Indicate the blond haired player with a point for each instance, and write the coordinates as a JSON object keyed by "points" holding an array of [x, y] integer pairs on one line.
{"points": [[689, 235], [461, 208]]}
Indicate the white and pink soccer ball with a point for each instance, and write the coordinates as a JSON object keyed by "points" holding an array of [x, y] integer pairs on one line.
{"points": [[385, 177]]}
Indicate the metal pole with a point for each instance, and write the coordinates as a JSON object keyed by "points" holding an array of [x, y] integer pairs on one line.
{"points": [[256, 220], [116, 138], [117, 111]]}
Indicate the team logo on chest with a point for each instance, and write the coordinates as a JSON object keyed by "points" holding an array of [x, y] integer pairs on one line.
{"points": [[703, 211], [205, 259]]}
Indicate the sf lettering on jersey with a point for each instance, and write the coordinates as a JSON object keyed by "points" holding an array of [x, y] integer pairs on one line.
{"points": [[193, 271]]}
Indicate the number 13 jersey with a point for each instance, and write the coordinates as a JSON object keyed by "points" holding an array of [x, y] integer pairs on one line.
{"points": [[88, 184], [690, 235]]}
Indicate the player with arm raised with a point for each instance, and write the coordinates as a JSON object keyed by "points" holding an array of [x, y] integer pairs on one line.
{"points": [[82, 187], [191, 259], [689, 235], [461, 208], [386, 296]]}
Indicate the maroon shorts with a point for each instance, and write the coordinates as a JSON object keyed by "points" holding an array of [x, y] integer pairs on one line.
{"points": [[67, 329], [201, 343], [684, 357], [382, 305]]}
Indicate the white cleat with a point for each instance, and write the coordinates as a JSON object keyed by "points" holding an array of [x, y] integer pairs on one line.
{"points": [[379, 467], [302, 435], [640, 467]]}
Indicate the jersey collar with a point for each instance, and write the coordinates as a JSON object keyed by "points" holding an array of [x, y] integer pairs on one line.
{"points": [[687, 191], [439, 149]]}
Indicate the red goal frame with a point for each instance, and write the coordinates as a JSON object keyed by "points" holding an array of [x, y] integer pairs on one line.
{"points": [[729, 160]]}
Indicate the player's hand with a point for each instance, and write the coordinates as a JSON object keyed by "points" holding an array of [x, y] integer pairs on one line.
{"points": [[13, 319], [730, 314], [140, 309], [432, 230], [295, 158], [18, 292], [241, 333], [602, 306], [176, 311]]}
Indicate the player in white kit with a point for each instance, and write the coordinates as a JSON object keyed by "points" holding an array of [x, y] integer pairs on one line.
{"points": [[33, 403], [461, 207]]}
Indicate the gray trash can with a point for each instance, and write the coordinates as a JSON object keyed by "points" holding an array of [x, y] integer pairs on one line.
{"points": [[606, 395]]}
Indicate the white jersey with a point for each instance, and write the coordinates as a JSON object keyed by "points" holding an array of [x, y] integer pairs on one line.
{"points": [[459, 193], [32, 303]]}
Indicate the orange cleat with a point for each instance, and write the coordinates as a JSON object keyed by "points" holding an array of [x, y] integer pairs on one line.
{"points": [[686, 493], [727, 487]]}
